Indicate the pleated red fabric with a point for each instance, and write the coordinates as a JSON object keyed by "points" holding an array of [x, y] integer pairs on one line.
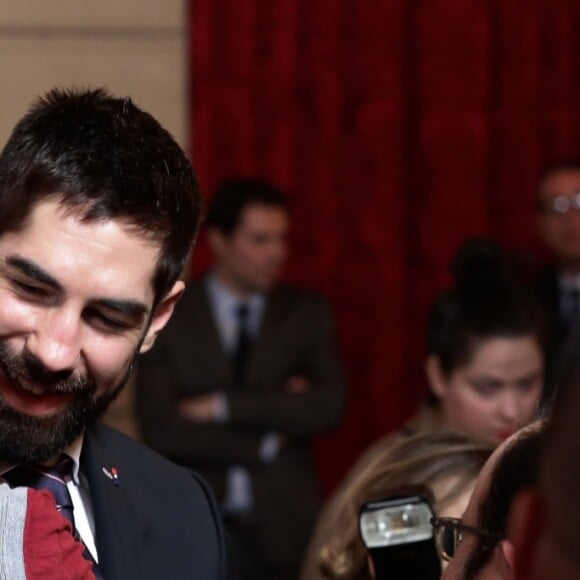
{"points": [[399, 128]]}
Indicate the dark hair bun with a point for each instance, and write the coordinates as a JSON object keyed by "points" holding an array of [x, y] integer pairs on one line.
{"points": [[482, 271], [490, 298]]}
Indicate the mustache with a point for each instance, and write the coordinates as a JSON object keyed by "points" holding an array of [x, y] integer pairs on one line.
{"points": [[25, 368]]}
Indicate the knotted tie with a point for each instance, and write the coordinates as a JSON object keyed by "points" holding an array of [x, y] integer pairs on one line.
{"points": [[240, 354], [53, 479]]}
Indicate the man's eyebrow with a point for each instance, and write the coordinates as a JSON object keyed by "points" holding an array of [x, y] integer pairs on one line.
{"points": [[132, 308], [33, 271]]}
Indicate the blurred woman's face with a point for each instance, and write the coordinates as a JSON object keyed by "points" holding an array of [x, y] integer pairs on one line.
{"points": [[496, 392]]}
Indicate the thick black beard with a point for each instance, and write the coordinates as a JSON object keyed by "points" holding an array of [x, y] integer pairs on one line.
{"points": [[28, 439]]}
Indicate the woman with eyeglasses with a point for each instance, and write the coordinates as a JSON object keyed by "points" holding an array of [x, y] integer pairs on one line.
{"points": [[484, 366], [446, 462]]}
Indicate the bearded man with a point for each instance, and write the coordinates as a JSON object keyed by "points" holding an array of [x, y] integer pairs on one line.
{"points": [[98, 211]]}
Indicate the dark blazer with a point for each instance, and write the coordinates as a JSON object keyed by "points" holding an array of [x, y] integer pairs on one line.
{"points": [[159, 522], [548, 296], [296, 338]]}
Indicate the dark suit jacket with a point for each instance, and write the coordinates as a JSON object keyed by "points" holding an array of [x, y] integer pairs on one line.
{"points": [[159, 522], [548, 295], [296, 338]]}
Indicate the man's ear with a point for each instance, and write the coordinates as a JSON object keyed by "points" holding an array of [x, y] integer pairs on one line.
{"points": [[435, 376], [501, 561], [162, 315], [507, 551], [524, 528]]}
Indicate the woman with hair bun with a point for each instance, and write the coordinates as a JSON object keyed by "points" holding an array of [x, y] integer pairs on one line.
{"points": [[484, 366], [485, 352]]}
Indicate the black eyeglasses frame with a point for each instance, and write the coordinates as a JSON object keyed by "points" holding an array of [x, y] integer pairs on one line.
{"points": [[457, 525]]}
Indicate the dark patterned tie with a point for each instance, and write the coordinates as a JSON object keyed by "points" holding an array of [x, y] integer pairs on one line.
{"points": [[240, 354], [52, 479]]}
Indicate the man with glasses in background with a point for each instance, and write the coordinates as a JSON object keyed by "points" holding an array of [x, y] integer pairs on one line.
{"points": [[558, 223]]}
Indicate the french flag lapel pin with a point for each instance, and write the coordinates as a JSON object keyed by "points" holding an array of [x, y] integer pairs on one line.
{"points": [[112, 474]]}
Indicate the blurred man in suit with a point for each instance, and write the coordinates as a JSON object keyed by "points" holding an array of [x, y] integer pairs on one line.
{"points": [[98, 212], [242, 380], [558, 219]]}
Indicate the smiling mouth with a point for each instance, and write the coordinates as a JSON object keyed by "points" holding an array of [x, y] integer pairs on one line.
{"points": [[31, 399], [27, 387]]}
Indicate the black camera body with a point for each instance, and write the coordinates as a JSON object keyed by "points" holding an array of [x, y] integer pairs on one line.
{"points": [[398, 535]]}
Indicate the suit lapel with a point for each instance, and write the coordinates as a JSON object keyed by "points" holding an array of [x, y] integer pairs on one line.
{"points": [[197, 313], [120, 528], [274, 314], [200, 317], [550, 299]]}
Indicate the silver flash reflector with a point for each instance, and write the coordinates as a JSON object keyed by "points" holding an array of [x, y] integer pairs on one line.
{"points": [[395, 524]]}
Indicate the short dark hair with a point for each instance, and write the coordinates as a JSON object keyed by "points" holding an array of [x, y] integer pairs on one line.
{"points": [[234, 195], [565, 164], [516, 469], [490, 298], [108, 159]]}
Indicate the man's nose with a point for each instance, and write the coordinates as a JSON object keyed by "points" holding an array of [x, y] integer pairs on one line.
{"points": [[55, 342]]}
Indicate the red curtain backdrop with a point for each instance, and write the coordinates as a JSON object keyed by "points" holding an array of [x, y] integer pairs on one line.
{"points": [[398, 128]]}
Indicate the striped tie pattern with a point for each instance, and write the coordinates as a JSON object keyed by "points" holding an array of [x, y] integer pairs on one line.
{"points": [[52, 479]]}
